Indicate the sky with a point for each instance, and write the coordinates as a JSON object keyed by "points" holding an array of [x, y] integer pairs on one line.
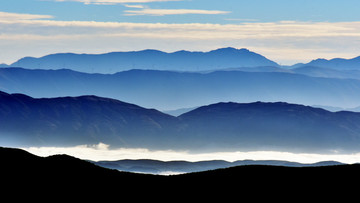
{"points": [[287, 32]]}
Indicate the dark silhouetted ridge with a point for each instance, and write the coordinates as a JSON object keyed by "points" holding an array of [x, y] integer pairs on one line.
{"points": [[63, 175]]}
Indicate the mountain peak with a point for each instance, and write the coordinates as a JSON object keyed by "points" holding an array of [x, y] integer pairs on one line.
{"points": [[231, 50], [337, 63]]}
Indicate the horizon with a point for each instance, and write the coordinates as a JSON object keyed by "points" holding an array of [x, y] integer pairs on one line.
{"points": [[171, 52], [104, 152], [286, 32]]}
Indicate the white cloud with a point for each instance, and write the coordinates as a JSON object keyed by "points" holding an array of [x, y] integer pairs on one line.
{"points": [[134, 6], [111, 2], [285, 42], [13, 17], [241, 19], [163, 12], [254, 30], [102, 152]]}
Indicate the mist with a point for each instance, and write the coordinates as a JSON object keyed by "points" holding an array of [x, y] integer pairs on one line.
{"points": [[103, 151]]}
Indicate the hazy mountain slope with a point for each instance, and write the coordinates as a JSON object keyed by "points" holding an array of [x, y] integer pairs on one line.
{"points": [[163, 167], [278, 126], [337, 63], [72, 121], [80, 120], [166, 90], [314, 71], [148, 59]]}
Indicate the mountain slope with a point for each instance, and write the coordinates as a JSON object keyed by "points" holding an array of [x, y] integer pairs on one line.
{"points": [[166, 90], [314, 71], [82, 120], [79, 120], [277, 126], [169, 167], [62, 175], [337, 63], [148, 59]]}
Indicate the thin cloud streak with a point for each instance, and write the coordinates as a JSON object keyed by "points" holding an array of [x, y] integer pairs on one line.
{"points": [[112, 2], [134, 6], [13, 17], [163, 12], [215, 31]]}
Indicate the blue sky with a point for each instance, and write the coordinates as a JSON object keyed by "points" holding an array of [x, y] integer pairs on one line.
{"points": [[282, 30], [243, 10]]}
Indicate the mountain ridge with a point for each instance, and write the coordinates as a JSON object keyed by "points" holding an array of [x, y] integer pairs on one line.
{"points": [[61, 174], [337, 63], [182, 60], [77, 119], [275, 126], [179, 167], [147, 59], [174, 90]]}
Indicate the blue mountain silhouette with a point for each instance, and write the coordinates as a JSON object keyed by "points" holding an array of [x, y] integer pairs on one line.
{"points": [[148, 59], [168, 90], [71, 121]]}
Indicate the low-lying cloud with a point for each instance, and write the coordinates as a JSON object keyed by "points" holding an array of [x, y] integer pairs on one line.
{"points": [[102, 151]]}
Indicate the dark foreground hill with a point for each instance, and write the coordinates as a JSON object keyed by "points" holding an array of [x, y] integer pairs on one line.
{"points": [[63, 175]]}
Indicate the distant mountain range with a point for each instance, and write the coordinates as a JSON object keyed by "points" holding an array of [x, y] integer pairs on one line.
{"points": [[183, 79], [72, 121], [337, 63], [148, 59], [168, 90], [322, 72], [180, 167], [219, 59]]}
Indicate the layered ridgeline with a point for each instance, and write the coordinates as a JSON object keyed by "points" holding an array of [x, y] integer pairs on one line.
{"points": [[148, 59], [167, 90], [72, 121], [183, 79], [223, 58], [336, 63], [180, 167]]}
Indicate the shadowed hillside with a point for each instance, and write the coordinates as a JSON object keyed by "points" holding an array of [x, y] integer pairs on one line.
{"points": [[63, 174]]}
